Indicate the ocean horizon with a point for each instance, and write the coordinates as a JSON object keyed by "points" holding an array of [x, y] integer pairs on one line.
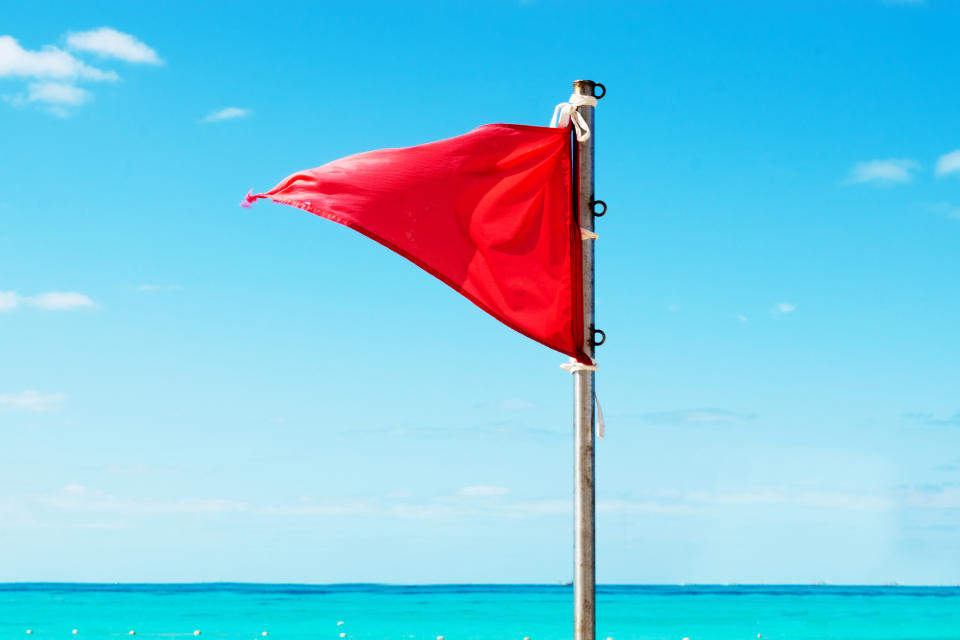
{"points": [[362, 611]]}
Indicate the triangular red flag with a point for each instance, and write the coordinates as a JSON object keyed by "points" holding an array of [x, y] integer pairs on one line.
{"points": [[490, 213]]}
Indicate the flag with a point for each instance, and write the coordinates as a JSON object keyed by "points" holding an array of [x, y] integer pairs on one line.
{"points": [[491, 213]]}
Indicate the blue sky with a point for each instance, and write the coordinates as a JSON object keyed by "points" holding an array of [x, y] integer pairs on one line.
{"points": [[192, 391]]}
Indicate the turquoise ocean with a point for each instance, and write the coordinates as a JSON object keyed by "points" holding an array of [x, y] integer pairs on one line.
{"points": [[472, 612]]}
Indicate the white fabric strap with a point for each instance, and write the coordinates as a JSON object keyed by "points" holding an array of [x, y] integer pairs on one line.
{"points": [[586, 234], [573, 366], [565, 112], [601, 427]]}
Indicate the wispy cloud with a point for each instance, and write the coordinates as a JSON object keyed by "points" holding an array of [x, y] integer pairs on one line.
{"points": [[667, 502], [9, 300], [61, 301], [32, 401], [892, 171], [55, 72], [946, 210], [51, 301], [949, 163], [695, 417], [58, 93], [943, 495], [79, 498], [741, 317], [784, 307], [228, 113], [49, 62], [110, 43]]}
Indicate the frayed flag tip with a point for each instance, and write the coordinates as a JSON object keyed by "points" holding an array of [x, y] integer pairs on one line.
{"points": [[248, 200]]}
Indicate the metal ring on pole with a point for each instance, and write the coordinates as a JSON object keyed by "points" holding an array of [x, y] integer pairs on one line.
{"points": [[598, 214], [603, 90], [603, 337]]}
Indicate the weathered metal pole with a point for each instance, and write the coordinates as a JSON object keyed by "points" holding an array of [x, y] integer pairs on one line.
{"points": [[584, 510]]}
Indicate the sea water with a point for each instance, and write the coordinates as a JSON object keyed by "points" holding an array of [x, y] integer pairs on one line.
{"points": [[473, 612]]}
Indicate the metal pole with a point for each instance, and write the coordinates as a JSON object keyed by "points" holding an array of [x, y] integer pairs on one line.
{"points": [[584, 510]]}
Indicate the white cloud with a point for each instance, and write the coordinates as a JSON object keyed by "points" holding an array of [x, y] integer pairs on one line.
{"points": [[58, 111], [82, 499], [78, 499], [58, 93], [946, 209], [32, 400], [482, 491], [894, 170], [785, 307], [941, 497], [16, 99], [57, 70], [110, 43], [9, 300], [949, 163], [227, 113], [436, 509], [61, 301], [52, 300], [48, 62]]}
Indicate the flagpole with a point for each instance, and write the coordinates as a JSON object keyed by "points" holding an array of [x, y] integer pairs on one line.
{"points": [[584, 510]]}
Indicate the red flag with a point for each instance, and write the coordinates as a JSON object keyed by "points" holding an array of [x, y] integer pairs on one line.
{"points": [[489, 212]]}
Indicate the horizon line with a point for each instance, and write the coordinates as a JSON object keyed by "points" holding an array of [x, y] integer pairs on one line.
{"points": [[562, 585]]}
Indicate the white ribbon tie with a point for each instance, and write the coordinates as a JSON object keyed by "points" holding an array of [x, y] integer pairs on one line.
{"points": [[565, 112], [573, 367]]}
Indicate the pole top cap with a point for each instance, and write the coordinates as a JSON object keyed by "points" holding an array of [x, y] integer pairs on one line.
{"points": [[589, 88]]}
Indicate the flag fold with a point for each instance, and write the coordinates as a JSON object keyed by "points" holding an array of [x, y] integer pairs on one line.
{"points": [[490, 213]]}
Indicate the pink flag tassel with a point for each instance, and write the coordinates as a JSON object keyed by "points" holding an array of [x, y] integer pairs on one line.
{"points": [[248, 200]]}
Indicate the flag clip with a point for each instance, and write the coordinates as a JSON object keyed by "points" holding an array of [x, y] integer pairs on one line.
{"points": [[603, 337]]}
